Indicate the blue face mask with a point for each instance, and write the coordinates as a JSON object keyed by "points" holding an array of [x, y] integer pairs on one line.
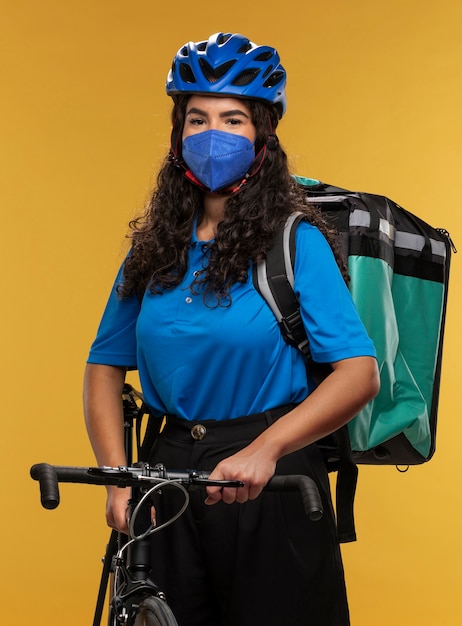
{"points": [[218, 159]]}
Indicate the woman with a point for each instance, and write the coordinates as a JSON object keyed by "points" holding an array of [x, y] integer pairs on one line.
{"points": [[183, 311]]}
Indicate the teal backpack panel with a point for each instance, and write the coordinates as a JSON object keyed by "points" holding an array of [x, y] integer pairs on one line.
{"points": [[403, 316]]}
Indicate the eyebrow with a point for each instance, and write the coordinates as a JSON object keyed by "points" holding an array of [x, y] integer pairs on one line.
{"points": [[197, 111]]}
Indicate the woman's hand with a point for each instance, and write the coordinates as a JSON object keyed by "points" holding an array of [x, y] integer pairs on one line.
{"points": [[252, 465], [117, 508]]}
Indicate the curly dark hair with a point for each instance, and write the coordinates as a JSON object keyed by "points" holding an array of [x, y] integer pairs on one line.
{"points": [[161, 235]]}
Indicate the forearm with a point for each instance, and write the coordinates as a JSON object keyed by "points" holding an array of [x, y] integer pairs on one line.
{"points": [[338, 398], [352, 384], [103, 409]]}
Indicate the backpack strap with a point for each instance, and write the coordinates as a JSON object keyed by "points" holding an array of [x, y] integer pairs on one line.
{"points": [[273, 278]]}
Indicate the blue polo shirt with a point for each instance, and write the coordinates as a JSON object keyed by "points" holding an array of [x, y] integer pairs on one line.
{"points": [[201, 361]]}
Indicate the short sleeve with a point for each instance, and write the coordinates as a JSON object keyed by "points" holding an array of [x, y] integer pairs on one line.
{"points": [[334, 328], [115, 342]]}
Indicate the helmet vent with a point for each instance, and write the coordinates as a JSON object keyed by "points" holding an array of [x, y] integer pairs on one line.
{"points": [[202, 46], [245, 48], [246, 77], [184, 51], [274, 79], [221, 39], [186, 73], [211, 74], [264, 56]]}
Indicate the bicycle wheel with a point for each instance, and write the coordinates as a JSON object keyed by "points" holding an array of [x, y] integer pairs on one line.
{"points": [[154, 612]]}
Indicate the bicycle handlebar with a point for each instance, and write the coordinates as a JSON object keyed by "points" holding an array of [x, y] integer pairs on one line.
{"points": [[308, 489], [49, 476]]}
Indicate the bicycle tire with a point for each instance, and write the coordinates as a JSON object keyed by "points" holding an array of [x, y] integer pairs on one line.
{"points": [[154, 612]]}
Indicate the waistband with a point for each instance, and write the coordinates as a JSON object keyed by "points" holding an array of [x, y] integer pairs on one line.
{"points": [[215, 431]]}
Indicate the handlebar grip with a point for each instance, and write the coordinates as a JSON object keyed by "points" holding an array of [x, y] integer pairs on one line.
{"points": [[308, 490], [48, 479]]}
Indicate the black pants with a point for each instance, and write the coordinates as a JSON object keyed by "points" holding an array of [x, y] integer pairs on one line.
{"points": [[262, 563]]}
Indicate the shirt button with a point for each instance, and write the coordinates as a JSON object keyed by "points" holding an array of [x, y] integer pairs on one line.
{"points": [[188, 300]]}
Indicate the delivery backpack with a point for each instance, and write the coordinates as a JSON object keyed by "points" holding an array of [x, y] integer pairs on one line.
{"points": [[399, 271]]}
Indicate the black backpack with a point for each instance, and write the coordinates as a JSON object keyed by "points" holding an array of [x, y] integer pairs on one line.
{"points": [[399, 269]]}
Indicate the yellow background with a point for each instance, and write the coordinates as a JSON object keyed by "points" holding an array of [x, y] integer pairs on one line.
{"points": [[375, 103]]}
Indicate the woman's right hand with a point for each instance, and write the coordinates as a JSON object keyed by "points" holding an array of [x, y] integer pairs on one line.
{"points": [[117, 508]]}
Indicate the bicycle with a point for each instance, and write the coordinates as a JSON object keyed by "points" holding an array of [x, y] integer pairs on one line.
{"points": [[135, 598]]}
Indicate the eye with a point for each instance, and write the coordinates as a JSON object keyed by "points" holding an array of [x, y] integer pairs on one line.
{"points": [[196, 121], [234, 121]]}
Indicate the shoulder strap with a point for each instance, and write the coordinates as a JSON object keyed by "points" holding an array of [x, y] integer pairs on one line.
{"points": [[274, 279]]}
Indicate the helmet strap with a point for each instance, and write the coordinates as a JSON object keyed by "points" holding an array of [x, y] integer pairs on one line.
{"points": [[175, 139]]}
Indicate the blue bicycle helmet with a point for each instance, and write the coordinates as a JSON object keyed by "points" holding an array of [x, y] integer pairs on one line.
{"points": [[229, 65]]}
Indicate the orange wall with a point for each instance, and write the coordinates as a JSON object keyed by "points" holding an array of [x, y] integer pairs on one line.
{"points": [[374, 104]]}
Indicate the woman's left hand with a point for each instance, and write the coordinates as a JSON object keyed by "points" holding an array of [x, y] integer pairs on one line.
{"points": [[253, 468]]}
